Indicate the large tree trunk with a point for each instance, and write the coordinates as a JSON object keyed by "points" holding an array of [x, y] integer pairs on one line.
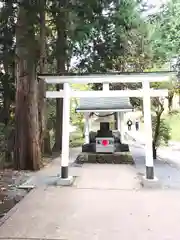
{"points": [[43, 131], [61, 47], [27, 153]]}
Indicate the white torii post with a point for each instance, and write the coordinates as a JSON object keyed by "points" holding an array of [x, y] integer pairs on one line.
{"points": [[121, 125], [119, 122], [148, 130], [86, 127], [65, 179], [106, 87]]}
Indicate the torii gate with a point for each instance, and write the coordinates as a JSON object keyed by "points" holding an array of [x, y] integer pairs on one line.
{"points": [[146, 93]]}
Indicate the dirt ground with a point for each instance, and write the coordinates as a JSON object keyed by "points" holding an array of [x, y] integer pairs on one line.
{"points": [[10, 180], [10, 194]]}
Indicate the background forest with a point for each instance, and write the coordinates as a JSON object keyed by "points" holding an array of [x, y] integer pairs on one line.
{"points": [[51, 36]]}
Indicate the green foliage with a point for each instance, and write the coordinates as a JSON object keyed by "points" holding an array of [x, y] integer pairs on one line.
{"points": [[3, 132], [173, 120], [7, 87], [50, 113], [77, 118], [7, 32], [164, 134], [6, 143], [161, 130], [165, 27], [76, 139], [76, 143], [114, 37]]}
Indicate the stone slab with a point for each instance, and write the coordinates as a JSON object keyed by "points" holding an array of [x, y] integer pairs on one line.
{"points": [[150, 183], [24, 186], [108, 176], [65, 181], [119, 147], [110, 158]]}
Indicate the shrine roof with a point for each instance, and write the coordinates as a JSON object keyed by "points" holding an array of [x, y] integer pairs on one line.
{"points": [[104, 104]]}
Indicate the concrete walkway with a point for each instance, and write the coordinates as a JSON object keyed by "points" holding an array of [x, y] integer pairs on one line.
{"points": [[48, 175], [90, 214], [170, 153], [167, 166], [167, 173], [105, 202], [108, 176], [136, 136]]}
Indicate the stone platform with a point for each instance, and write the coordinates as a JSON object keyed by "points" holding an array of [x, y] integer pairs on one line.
{"points": [[119, 147], [110, 158]]}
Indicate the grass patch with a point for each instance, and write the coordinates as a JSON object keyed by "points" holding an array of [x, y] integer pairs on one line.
{"points": [[173, 119]]}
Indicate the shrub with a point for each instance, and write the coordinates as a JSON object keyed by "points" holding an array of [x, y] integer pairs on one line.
{"points": [[76, 139], [161, 135], [76, 143]]}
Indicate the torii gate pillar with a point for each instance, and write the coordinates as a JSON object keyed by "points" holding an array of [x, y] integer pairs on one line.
{"points": [[86, 127], [65, 179], [148, 130], [120, 118]]}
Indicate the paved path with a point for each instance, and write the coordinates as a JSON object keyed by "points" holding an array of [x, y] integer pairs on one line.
{"points": [[91, 214], [170, 153], [108, 176], [167, 173], [136, 136], [106, 202], [167, 166], [48, 175]]}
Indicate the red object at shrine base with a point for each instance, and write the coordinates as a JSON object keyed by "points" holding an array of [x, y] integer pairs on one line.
{"points": [[105, 142]]}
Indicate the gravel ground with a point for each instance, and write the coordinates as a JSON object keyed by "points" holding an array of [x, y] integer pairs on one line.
{"points": [[10, 194]]}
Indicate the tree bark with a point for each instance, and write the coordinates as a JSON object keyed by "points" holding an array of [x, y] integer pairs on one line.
{"points": [[170, 102], [115, 121], [154, 152], [43, 131], [27, 154], [61, 57], [156, 134]]}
